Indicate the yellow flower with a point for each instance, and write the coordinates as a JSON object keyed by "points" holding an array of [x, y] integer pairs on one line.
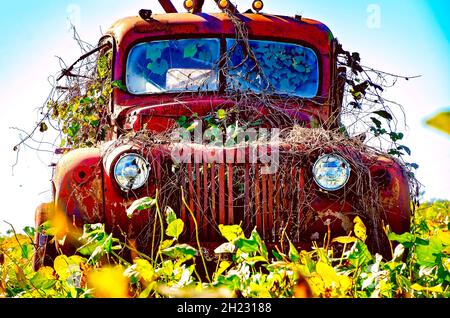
{"points": [[108, 282]]}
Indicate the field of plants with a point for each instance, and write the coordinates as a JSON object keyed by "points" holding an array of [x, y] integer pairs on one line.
{"points": [[340, 268]]}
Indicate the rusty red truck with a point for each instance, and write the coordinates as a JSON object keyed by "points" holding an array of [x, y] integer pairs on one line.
{"points": [[179, 66]]}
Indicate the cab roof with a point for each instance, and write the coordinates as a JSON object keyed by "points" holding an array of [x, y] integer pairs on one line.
{"points": [[129, 30]]}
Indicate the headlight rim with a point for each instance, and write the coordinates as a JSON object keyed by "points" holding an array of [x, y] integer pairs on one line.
{"points": [[337, 156], [127, 154]]}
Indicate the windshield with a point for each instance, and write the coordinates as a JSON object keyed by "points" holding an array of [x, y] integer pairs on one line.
{"points": [[173, 66], [282, 68], [193, 65]]}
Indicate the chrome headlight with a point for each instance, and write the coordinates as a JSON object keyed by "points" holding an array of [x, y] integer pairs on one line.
{"points": [[331, 172], [131, 171]]}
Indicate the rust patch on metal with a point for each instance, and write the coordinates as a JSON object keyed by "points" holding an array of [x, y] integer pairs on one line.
{"points": [[328, 217], [392, 195]]}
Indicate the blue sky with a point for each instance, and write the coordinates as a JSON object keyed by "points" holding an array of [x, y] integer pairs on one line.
{"points": [[412, 38]]}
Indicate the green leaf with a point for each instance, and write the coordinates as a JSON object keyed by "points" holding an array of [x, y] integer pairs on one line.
{"points": [[166, 244], [89, 248], [30, 231], [166, 268], [64, 266], [406, 149], [256, 259], [293, 253], [75, 106], [96, 254], [153, 53], [96, 241], [277, 256], [413, 165], [247, 245], [356, 57], [181, 121], [190, 50], [103, 65], [170, 215], [396, 136], [435, 289], [345, 239], [360, 229], [360, 254], [26, 249], [221, 114], [376, 122], [384, 114], [427, 254], [444, 237], [402, 281], [231, 232], [159, 68], [146, 292], [421, 241], [175, 229], [262, 246], [43, 127], [94, 123], [407, 239], [145, 269], [222, 268], [120, 85], [46, 228], [44, 278], [327, 273], [394, 152], [356, 95], [108, 244], [181, 251], [73, 129], [141, 204], [86, 100]]}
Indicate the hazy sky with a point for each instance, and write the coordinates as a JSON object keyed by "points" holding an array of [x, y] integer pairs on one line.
{"points": [[411, 37]]}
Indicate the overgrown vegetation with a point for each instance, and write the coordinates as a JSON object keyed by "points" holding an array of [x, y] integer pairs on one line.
{"points": [[246, 268], [82, 115]]}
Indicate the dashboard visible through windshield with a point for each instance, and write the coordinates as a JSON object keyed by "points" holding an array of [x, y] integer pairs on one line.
{"points": [[191, 65]]}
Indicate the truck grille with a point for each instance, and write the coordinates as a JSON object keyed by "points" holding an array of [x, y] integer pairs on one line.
{"points": [[230, 193]]}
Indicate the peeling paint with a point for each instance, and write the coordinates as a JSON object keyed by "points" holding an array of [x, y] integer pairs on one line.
{"points": [[392, 195], [346, 222]]}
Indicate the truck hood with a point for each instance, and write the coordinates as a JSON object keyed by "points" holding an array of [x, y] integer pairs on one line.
{"points": [[162, 117]]}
